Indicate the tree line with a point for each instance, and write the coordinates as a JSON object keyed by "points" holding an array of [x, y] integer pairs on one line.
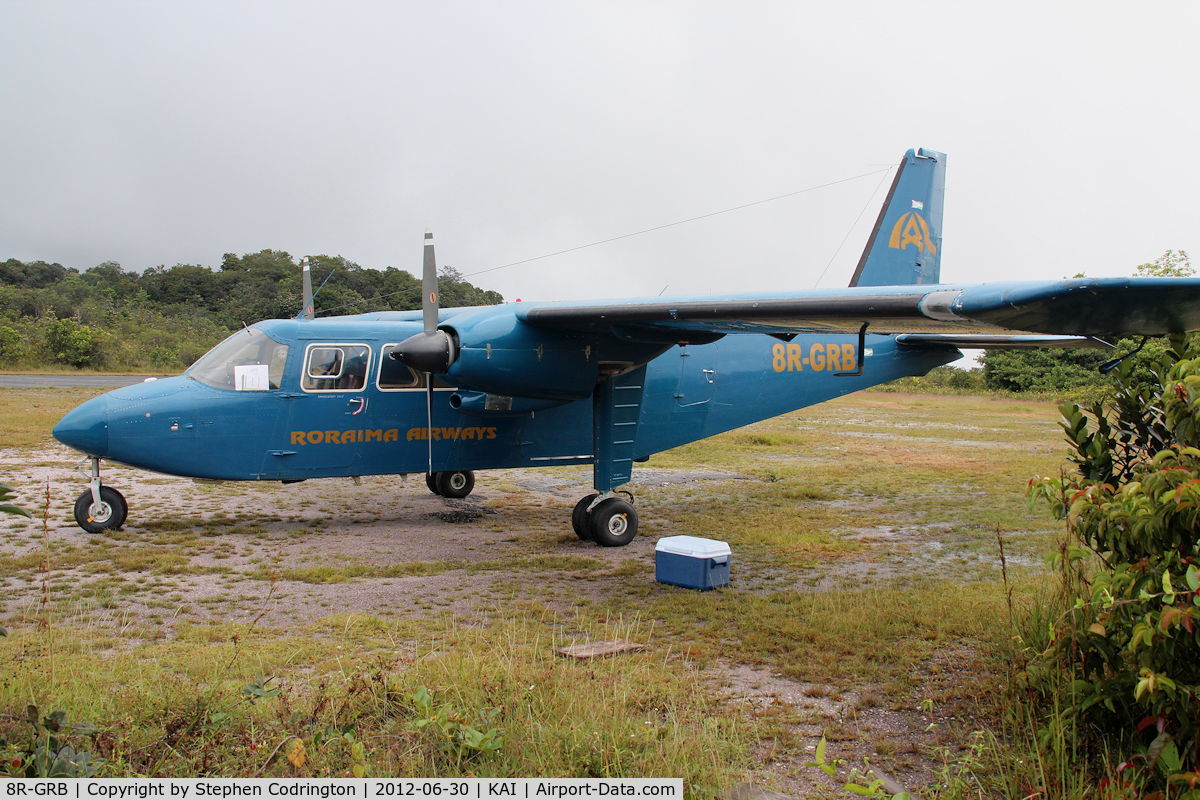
{"points": [[164, 318]]}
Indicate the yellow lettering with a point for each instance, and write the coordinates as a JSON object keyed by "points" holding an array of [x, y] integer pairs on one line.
{"points": [[416, 433], [816, 357], [795, 357], [298, 437], [849, 362], [468, 433], [833, 356], [491, 433], [778, 363], [333, 437], [315, 437], [375, 436]]}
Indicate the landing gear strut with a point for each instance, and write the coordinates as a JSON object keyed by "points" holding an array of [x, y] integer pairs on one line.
{"points": [[100, 508], [605, 519], [454, 484]]}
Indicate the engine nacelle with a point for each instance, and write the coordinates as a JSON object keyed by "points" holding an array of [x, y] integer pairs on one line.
{"points": [[498, 354]]}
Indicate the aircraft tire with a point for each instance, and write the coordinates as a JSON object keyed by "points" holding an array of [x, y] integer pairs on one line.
{"points": [[579, 518], [455, 484], [431, 482], [112, 514], [614, 523]]}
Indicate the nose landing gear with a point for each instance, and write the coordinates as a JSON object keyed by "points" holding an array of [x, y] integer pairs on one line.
{"points": [[100, 508], [605, 519]]}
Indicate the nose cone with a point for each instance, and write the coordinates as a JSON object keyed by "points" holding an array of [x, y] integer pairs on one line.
{"points": [[86, 428]]}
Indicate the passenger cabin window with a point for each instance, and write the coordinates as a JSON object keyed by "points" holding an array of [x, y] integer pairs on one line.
{"points": [[394, 375], [335, 368], [249, 360]]}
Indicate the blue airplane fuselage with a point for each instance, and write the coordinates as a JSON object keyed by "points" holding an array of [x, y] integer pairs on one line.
{"points": [[294, 428]]}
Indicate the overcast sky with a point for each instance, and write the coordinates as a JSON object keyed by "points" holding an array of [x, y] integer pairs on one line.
{"points": [[159, 133]]}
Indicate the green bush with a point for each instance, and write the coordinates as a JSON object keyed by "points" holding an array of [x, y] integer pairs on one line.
{"points": [[11, 346], [72, 343], [1123, 662], [940, 380]]}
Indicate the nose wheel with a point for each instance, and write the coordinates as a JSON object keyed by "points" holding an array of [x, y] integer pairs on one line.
{"points": [[606, 520], [107, 515], [100, 508]]}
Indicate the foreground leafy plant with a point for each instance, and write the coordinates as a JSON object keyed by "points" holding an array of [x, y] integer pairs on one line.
{"points": [[459, 740], [1124, 658], [47, 754], [6, 507]]}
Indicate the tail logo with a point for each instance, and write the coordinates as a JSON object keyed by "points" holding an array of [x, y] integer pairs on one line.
{"points": [[912, 229]]}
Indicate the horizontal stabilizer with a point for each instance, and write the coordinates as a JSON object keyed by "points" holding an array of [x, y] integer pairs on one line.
{"points": [[999, 341]]}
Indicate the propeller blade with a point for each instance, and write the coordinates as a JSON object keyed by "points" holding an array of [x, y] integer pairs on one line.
{"points": [[429, 287]]}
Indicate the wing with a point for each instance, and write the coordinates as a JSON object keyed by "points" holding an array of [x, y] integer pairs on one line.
{"points": [[1102, 307]]}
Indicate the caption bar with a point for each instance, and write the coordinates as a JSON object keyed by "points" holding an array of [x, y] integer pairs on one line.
{"points": [[361, 788]]}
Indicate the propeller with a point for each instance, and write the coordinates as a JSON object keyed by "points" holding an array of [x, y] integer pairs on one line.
{"points": [[431, 351]]}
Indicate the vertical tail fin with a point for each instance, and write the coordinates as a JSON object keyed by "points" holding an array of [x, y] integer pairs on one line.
{"points": [[906, 243]]}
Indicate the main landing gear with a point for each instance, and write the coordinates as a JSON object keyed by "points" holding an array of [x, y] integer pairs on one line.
{"points": [[455, 484], [605, 519], [100, 508]]}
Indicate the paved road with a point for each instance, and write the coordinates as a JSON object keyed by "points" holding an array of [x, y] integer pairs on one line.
{"points": [[65, 381]]}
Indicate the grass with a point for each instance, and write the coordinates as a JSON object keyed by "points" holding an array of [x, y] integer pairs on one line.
{"points": [[27, 415], [186, 708], [865, 569]]}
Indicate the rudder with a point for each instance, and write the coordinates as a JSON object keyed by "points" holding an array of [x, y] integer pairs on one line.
{"points": [[906, 243]]}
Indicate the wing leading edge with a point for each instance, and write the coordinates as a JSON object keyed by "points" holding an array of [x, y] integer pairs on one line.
{"points": [[1102, 307]]}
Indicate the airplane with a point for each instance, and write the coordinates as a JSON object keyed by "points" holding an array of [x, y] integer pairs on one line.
{"points": [[450, 391]]}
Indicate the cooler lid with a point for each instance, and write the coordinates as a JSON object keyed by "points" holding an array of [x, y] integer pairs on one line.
{"points": [[694, 546]]}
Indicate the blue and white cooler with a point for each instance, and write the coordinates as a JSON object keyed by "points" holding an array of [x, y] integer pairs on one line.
{"points": [[692, 562]]}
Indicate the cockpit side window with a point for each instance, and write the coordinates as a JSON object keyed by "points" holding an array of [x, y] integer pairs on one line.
{"points": [[249, 360], [394, 375], [335, 368], [325, 363]]}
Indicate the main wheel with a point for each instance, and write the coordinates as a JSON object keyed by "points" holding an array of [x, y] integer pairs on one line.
{"points": [[613, 523], [455, 484], [109, 515], [431, 482], [579, 521]]}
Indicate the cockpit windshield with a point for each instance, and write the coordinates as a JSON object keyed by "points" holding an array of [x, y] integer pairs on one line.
{"points": [[247, 361]]}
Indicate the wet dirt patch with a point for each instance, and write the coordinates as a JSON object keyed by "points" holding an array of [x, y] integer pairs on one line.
{"points": [[461, 513], [860, 728]]}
